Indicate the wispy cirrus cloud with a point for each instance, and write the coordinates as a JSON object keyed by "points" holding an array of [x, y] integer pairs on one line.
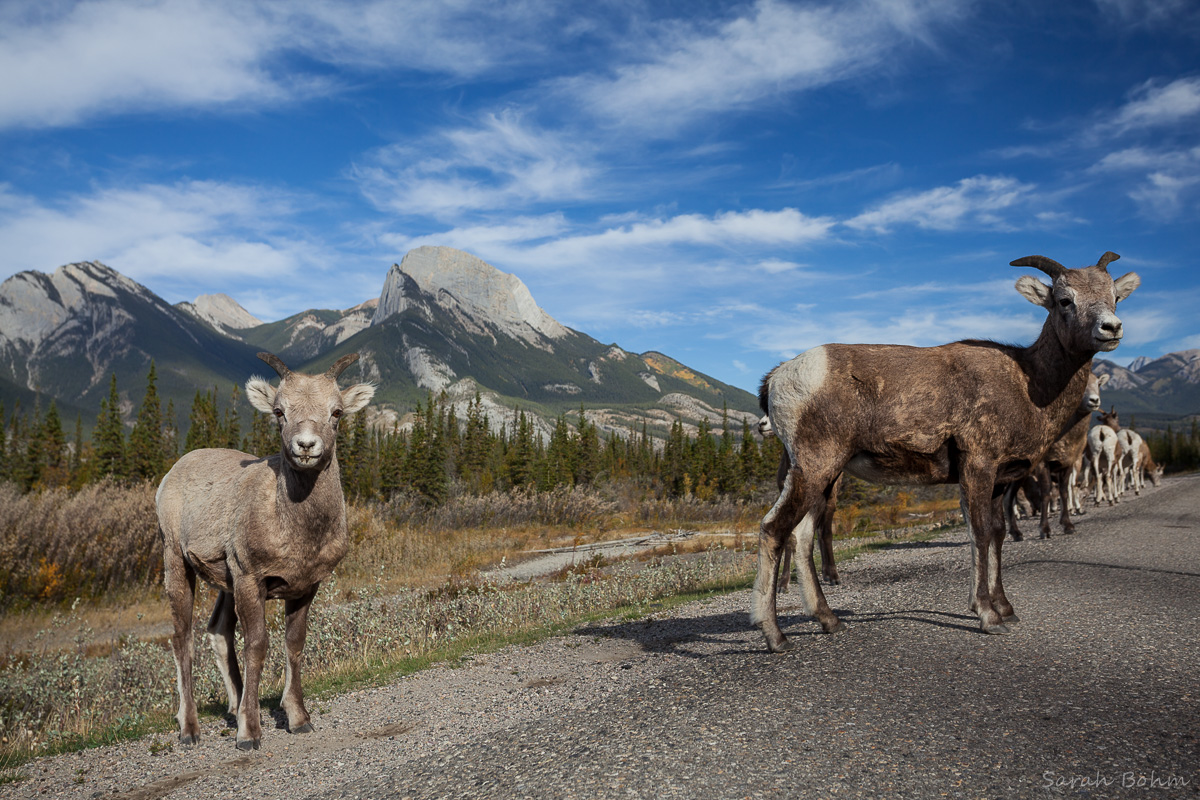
{"points": [[1153, 105], [545, 242], [66, 63], [773, 49], [502, 162], [182, 237], [981, 201]]}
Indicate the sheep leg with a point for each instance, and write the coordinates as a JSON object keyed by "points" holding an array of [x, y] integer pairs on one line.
{"points": [[1064, 479], [785, 564], [1044, 482], [811, 593], [250, 599], [220, 635], [985, 515], [295, 633], [995, 583], [828, 564], [776, 525], [179, 580], [1010, 510]]}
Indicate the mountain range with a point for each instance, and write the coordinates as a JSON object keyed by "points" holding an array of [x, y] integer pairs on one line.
{"points": [[444, 321]]}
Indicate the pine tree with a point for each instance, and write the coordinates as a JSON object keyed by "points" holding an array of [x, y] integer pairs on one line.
{"points": [[56, 463], [230, 432], [108, 439], [77, 462], [146, 447], [170, 436], [203, 428], [587, 458], [262, 440]]}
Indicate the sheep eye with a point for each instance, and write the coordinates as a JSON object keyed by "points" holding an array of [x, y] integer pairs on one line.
{"points": [[337, 412], [1066, 302], [279, 413]]}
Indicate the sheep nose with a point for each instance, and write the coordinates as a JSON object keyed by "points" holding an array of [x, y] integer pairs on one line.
{"points": [[1112, 328], [306, 444]]}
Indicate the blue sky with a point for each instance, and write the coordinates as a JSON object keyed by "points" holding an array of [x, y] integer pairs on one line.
{"points": [[728, 183]]}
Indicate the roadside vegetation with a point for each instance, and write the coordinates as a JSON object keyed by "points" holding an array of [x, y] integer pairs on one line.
{"points": [[414, 589]]}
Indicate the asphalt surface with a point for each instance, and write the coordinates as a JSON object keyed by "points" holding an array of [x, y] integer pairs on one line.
{"points": [[1096, 692]]}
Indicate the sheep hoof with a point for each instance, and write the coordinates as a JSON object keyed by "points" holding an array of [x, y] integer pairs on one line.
{"points": [[305, 728], [995, 630], [247, 744], [783, 646], [191, 738], [1012, 617], [836, 627]]}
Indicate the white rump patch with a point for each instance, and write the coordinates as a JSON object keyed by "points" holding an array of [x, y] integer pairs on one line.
{"points": [[792, 386]]}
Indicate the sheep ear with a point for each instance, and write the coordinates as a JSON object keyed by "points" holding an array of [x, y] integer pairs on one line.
{"points": [[356, 397], [1103, 379], [1035, 291], [261, 394], [1125, 284]]}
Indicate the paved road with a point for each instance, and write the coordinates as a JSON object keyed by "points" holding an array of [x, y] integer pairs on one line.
{"points": [[1095, 694]]}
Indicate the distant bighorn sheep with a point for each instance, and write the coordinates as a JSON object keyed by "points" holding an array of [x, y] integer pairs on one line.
{"points": [[1108, 455], [258, 529], [1058, 467], [1146, 465], [976, 413]]}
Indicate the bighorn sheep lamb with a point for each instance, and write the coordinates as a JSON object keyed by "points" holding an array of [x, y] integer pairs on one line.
{"points": [[258, 529], [976, 413]]}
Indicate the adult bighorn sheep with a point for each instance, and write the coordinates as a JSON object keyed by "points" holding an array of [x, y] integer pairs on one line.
{"points": [[1058, 467], [258, 529], [1129, 453], [1107, 451], [1147, 466], [976, 413]]}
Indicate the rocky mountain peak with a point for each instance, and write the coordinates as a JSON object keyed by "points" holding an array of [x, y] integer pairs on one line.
{"points": [[223, 311], [462, 282]]}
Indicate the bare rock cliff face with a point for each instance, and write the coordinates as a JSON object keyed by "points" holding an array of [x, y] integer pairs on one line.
{"points": [[81, 309], [222, 312], [460, 281]]}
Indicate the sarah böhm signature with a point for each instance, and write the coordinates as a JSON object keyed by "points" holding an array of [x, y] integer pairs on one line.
{"points": [[1154, 781]]}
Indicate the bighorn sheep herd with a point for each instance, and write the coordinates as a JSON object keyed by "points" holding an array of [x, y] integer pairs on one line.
{"points": [[258, 529], [974, 413]]}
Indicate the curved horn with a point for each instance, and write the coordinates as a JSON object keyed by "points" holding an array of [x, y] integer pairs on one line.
{"points": [[1107, 259], [341, 364], [1046, 265], [276, 364]]}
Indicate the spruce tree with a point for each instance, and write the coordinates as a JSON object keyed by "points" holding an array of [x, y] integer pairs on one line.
{"points": [[204, 430], [108, 440], [146, 448], [55, 462]]}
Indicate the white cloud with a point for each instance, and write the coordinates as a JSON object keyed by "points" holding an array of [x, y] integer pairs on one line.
{"points": [[69, 62], [1153, 105], [773, 49], [185, 238], [972, 202], [547, 242], [499, 163]]}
